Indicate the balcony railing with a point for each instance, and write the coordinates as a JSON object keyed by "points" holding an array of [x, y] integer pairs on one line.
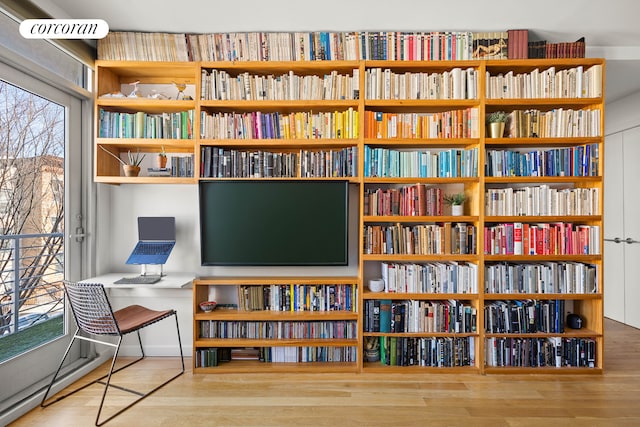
{"points": [[31, 274]]}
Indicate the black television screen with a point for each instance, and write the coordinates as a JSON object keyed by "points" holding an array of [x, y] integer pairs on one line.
{"points": [[274, 222]]}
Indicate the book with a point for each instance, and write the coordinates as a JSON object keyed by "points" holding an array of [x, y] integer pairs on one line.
{"points": [[385, 315], [245, 353], [159, 171], [518, 44]]}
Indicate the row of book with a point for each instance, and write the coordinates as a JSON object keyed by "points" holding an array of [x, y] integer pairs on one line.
{"points": [[211, 357], [446, 163], [581, 160], [437, 352], [221, 85], [286, 46], [335, 329], [542, 239], [217, 162], [410, 200], [115, 124], [277, 125], [296, 297], [313, 46], [179, 166], [322, 354], [457, 83], [575, 82], [388, 316], [462, 123], [542, 200], [436, 277], [420, 239], [555, 123], [541, 278], [524, 316], [554, 352], [574, 49]]}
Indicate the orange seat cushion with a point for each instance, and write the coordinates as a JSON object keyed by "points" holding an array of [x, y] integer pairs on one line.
{"points": [[135, 317]]}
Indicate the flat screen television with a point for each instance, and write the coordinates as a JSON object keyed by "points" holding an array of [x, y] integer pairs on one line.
{"points": [[249, 223]]}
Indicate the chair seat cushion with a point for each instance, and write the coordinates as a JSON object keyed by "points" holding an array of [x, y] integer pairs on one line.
{"points": [[134, 317]]}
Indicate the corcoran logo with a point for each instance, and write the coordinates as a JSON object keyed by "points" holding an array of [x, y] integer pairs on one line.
{"points": [[63, 28]]}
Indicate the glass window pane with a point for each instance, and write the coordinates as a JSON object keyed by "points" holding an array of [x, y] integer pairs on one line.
{"points": [[31, 220]]}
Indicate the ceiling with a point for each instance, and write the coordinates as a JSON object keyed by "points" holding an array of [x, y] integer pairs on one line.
{"points": [[610, 27]]}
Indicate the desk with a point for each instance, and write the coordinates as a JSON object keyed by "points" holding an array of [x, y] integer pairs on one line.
{"points": [[169, 281], [172, 291]]}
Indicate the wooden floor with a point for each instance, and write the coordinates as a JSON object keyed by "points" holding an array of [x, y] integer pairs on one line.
{"points": [[611, 399]]}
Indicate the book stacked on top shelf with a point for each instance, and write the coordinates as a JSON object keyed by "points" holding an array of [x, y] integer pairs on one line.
{"points": [[574, 49], [490, 45], [543, 49], [291, 46], [518, 44]]}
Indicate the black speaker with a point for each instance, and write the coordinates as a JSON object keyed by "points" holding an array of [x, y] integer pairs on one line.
{"points": [[574, 321]]}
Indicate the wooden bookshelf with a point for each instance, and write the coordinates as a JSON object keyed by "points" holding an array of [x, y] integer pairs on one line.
{"points": [[157, 84], [300, 305], [365, 137]]}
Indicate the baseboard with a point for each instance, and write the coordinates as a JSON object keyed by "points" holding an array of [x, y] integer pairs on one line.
{"points": [[33, 401], [154, 350]]}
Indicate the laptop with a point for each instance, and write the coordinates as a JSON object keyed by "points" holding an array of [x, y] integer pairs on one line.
{"points": [[156, 239]]}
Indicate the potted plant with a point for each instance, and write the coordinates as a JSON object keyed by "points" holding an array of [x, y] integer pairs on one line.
{"points": [[132, 166], [456, 201], [497, 121], [161, 160]]}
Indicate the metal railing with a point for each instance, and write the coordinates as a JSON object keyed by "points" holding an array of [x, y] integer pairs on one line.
{"points": [[31, 274]]}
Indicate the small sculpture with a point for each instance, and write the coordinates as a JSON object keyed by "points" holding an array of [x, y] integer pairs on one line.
{"points": [[135, 93], [181, 87]]}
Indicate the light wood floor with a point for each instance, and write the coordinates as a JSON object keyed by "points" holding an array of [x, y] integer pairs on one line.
{"points": [[611, 399]]}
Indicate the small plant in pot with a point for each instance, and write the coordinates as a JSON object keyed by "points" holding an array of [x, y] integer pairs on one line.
{"points": [[497, 121], [162, 158], [456, 201], [132, 166]]}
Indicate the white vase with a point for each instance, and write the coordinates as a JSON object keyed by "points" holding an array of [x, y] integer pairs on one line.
{"points": [[457, 210]]}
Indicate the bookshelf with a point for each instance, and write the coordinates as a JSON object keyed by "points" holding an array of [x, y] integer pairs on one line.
{"points": [[398, 129], [289, 323], [148, 123], [568, 209]]}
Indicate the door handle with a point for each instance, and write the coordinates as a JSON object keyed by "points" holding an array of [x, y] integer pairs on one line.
{"points": [[629, 240], [79, 235], [615, 240]]}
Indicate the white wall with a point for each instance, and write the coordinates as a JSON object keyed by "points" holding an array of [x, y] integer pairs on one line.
{"points": [[118, 231], [622, 114]]}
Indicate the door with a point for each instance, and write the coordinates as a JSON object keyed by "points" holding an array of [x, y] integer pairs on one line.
{"points": [[631, 209], [614, 273], [41, 132], [622, 228]]}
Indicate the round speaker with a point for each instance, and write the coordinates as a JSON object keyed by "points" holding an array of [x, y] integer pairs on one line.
{"points": [[376, 285], [574, 321]]}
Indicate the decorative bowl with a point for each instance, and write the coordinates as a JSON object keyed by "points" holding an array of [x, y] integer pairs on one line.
{"points": [[207, 306]]}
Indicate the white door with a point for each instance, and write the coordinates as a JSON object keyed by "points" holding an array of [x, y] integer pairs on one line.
{"points": [[614, 273], [631, 209]]}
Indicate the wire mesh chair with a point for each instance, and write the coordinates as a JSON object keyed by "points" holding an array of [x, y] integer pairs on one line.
{"points": [[95, 318]]}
